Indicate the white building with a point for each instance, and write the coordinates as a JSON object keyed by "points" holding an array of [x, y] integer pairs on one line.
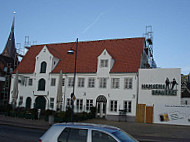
{"points": [[106, 76]]}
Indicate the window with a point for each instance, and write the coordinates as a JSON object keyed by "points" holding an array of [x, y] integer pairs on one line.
{"points": [[30, 82], [23, 80], [41, 85], [91, 82], [103, 82], [70, 82], [73, 135], [98, 136], [43, 67], [104, 63], [79, 104], [80, 82], [127, 106], [20, 100], [115, 83], [89, 104], [63, 82], [51, 103], [113, 106], [53, 80], [68, 103], [128, 83]]}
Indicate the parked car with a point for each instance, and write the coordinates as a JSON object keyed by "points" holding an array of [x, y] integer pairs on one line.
{"points": [[85, 132]]}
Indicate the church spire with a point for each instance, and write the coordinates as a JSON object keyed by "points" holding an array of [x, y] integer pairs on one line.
{"points": [[10, 49]]}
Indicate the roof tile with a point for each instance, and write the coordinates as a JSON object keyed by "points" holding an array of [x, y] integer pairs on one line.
{"points": [[126, 53]]}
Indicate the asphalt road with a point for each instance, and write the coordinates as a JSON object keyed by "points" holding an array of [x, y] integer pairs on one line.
{"points": [[18, 134]]}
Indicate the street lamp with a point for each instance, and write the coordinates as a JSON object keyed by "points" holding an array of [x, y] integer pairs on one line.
{"points": [[72, 51]]}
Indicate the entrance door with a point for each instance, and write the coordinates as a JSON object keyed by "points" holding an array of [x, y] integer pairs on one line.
{"points": [[101, 102], [40, 102], [140, 113], [149, 114]]}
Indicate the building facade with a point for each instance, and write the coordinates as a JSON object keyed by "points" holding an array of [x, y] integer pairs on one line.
{"points": [[106, 76]]}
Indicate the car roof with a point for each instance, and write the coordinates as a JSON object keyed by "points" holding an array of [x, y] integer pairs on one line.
{"points": [[106, 128]]}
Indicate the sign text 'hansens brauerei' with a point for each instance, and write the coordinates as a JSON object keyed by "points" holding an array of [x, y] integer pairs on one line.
{"points": [[169, 88]]}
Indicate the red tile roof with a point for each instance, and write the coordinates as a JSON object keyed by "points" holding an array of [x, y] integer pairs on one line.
{"points": [[125, 52]]}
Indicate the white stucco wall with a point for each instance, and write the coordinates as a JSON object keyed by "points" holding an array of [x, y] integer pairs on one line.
{"points": [[120, 95], [172, 114]]}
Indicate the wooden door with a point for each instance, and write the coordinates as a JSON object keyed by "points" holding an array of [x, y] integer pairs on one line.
{"points": [[140, 113], [149, 114]]}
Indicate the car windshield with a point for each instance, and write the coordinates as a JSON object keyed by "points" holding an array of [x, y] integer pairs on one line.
{"points": [[123, 137]]}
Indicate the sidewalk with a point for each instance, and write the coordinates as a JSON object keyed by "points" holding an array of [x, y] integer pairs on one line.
{"points": [[27, 123]]}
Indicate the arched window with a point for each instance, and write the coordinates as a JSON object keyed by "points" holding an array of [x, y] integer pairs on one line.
{"points": [[43, 67], [41, 85], [28, 103]]}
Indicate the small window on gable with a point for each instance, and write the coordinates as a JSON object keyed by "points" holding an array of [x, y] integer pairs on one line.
{"points": [[43, 67], [104, 63]]}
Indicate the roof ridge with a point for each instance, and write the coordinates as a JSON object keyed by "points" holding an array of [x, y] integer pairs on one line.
{"points": [[90, 41]]}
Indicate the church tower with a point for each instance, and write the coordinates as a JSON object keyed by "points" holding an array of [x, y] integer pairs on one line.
{"points": [[10, 49]]}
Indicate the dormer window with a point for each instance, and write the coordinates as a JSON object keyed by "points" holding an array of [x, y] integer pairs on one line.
{"points": [[104, 63], [43, 67]]}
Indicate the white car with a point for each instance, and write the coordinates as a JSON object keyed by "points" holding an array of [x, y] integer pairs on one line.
{"points": [[85, 132]]}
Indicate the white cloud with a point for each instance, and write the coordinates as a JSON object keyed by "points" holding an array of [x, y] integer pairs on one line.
{"points": [[185, 70], [93, 23]]}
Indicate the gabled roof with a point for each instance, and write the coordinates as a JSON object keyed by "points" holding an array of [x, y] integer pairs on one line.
{"points": [[125, 52]]}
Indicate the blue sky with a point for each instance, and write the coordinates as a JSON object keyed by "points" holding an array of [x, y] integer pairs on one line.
{"points": [[56, 21]]}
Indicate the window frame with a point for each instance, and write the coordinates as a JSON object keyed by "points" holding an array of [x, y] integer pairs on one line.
{"points": [[53, 81], [115, 83], [63, 81], [52, 103], [103, 82], [43, 67], [113, 106], [89, 104], [127, 105], [70, 82], [104, 63], [43, 86], [81, 82], [91, 82], [128, 83], [30, 82], [79, 104]]}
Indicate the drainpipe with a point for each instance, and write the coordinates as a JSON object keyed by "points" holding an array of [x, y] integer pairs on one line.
{"points": [[137, 88]]}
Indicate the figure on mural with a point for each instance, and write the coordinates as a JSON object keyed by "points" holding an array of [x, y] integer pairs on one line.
{"points": [[167, 83], [174, 83]]}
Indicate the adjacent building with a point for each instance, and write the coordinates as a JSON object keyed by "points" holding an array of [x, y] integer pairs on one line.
{"points": [[8, 62]]}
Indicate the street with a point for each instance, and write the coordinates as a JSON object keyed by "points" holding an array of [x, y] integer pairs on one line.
{"points": [[18, 134]]}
